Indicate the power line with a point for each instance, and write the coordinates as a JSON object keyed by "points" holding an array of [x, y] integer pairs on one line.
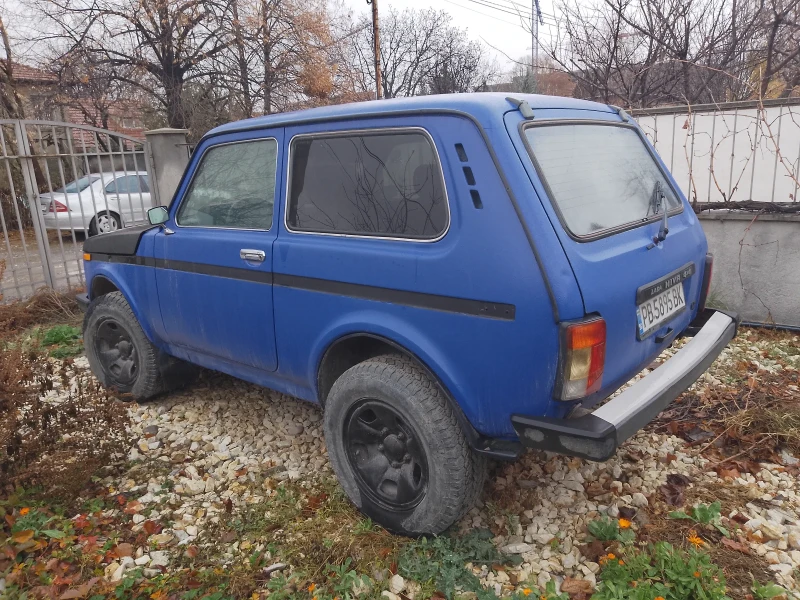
{"points": [[484, 14]]}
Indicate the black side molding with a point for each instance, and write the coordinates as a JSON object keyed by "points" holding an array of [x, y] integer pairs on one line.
{"points": [[123, 242]]}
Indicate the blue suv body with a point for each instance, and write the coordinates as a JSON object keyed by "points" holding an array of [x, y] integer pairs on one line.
{"points": [[451, 277]]}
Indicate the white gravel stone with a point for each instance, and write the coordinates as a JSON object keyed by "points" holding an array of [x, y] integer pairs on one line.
{"points": [[397, 584]]}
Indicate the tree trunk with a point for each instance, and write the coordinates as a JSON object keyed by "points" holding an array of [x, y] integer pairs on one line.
{"points": [[241, 61], [9, 96], [173, 88]]}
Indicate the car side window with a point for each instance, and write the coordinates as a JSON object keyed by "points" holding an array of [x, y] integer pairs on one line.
{"points": [[385, 183], [233, 187], [128, 184], [144, 183]]}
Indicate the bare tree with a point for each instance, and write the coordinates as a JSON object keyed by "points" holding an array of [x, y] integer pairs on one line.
{"points": [[168, 43], [648, 52], [421, 52]]}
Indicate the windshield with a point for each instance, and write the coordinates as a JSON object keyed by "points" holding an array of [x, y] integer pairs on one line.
{"points": [[600, 177], [77, 186]]}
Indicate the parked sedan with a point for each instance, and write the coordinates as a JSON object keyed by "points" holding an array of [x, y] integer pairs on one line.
{"points": [[98, 203]]}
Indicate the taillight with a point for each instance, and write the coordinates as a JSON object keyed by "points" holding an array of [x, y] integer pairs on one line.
{"points": [[582, 359], [56, 206], [706, 282]]}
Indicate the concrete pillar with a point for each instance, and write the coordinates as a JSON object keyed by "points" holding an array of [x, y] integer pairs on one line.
{"points": [[167, 157]]}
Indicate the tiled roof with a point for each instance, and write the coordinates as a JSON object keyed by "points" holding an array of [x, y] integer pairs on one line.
{"points": [[121, 113], [28, 74]]}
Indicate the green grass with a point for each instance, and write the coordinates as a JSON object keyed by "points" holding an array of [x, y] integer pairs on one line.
{"points": [[62, 341]]}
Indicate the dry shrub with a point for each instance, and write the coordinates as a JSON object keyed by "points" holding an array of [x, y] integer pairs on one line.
{"points": [[780, 422], [58, 428], [45, 306]]}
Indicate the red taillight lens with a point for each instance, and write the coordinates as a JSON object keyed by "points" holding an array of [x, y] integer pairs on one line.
{"points": [[56, 206], [584, 357]]}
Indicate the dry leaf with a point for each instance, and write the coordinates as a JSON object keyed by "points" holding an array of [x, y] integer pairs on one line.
{"points": [[577, 588], [734, 545], [728, 473], [22, 537]]}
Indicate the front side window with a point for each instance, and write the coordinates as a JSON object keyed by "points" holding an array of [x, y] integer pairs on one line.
{"points": [[600, 177], [368, 184], [233, 187]]}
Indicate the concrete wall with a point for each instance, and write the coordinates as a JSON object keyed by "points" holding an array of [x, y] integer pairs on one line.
{"points": [[756, 265]]}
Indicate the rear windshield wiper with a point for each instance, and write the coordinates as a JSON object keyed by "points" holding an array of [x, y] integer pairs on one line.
{"points": [[659, 201]]}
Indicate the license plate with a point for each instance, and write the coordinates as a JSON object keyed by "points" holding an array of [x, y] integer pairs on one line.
{"points": [[652, 313]]}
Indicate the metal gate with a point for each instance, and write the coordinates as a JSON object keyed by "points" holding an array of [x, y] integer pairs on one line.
{"points": [[60, 182]]}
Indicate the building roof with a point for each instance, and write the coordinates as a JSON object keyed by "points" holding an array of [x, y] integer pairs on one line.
{"points": [[28, 74], [477, 104]]}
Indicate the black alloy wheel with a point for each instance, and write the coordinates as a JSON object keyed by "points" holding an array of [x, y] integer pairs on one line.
{"points": [[385, 454], [116, 351]]}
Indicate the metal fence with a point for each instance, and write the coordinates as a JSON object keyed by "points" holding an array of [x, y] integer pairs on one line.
{"points": [[60, 182], [730, 152]]}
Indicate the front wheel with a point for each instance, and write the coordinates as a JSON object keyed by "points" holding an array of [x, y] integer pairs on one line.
{"points": [[397, 448], [119, 353]]}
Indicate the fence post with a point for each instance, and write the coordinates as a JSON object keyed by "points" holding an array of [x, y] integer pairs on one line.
{"points": [[167, 154], [32, 197]]}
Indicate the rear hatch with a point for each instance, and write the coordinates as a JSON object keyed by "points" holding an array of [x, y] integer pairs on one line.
{"points": [[604, 190]]}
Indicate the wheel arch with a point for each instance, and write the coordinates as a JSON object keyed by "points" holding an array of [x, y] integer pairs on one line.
{"points": [[356, 347], [100, 286], [104, 281]]}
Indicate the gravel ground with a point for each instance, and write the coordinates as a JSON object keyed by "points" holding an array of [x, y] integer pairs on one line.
{"points": [[227, 440]]}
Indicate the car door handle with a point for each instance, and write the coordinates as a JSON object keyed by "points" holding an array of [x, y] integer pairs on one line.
{"points": [[252, 255]]}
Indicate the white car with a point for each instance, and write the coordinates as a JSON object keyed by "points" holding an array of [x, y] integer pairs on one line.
{"points": [[98, 203]]}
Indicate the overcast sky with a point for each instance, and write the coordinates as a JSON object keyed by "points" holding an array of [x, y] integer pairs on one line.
{"points": [[496, 22]]}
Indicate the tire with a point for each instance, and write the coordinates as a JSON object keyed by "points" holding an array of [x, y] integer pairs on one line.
{"points": [[119, 353], [105, 222], [398, 449]]}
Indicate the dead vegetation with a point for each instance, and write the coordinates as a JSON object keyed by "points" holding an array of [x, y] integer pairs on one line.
{"points": [[751, 415], [58, 428], [45, 307]]}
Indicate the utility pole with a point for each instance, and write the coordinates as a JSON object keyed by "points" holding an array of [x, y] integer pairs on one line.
{"points": [[534, 37], [376, 37], [536, 19]]}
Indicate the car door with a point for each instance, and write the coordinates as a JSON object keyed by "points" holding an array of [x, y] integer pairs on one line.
{"points": [[128, 194], [214, 257]]}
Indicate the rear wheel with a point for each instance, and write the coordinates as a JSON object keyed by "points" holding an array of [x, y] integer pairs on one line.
{"points": [[105, 222], [397, 447]]}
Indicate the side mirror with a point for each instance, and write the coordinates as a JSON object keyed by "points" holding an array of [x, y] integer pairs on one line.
{"points": [[157, 215]]}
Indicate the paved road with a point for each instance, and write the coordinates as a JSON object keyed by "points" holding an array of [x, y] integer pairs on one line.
{"points": [[21, 271]]}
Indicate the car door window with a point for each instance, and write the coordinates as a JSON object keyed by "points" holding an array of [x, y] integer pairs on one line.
{"points": [[124, 185], [233, 187], [144, 183], [368, 184]]}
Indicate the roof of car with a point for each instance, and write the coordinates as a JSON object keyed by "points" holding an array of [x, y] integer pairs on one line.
{"points": [[476, 104]]}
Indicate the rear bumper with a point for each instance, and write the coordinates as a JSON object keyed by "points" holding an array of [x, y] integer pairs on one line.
{"points": [[597, 435]]}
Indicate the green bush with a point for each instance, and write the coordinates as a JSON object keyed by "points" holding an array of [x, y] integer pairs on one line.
{"points": [[660, 571], [609, 530]]}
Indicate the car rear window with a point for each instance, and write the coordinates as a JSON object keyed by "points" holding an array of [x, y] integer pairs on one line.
{"points": [[600, 177], [386, 184]]}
